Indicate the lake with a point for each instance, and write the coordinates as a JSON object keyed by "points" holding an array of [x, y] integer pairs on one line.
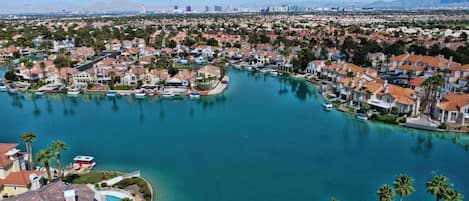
{"points": [[266, 138]]}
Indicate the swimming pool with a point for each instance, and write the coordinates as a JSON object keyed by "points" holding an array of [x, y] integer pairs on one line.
{"points": [[112, 198]]}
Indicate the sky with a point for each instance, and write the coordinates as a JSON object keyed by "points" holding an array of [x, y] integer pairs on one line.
{"points": [[18, 6], [96, 5]]}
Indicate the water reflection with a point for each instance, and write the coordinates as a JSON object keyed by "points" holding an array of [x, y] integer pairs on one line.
{"points": [[423, 145], [301, 90]]}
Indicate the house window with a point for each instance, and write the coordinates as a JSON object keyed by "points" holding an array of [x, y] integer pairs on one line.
{"points": [[453, 116], [466, 110]]}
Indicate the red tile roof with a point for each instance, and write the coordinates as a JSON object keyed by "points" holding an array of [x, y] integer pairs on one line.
{"points": [[20, 178], [4, 148]]}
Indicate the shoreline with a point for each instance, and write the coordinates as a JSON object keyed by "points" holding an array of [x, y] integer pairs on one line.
{"points": [[220, 88], [402, 125]]}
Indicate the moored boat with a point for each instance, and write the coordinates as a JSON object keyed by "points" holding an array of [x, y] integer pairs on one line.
{"points": [[168, 94], [327, 105], [140, 94], [111, 93], [3, 88], [39, 93], [362, 116], [194, 95], [86, 162], [73, 92]]}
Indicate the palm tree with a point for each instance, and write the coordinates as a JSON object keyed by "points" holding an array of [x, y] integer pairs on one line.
{"points": [[111, 74], [42, 65], [45, 157], [404, 186], [28, 138], [29, 66], [453, 195], [437, 186], [385, 193], [432, 87], [57, 147]]}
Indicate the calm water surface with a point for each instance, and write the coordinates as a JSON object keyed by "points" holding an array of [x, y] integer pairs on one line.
{"points": [[265, 139]]}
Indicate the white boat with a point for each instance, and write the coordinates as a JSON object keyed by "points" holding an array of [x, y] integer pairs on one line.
{"points": [[327, 105], [249, 68], [73, 92], [274, 73], [264, 70], [86, 162], [194, 95], [237, 66], [140, 94], [111, 93], [168, 94], [3, 88], [39, 93], [362, 116]]}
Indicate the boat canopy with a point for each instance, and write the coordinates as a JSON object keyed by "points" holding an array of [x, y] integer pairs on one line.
{"points": [[83, 158]]}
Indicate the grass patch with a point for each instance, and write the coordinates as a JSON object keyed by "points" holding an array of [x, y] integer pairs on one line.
{"points": [[385, 118], [122, 87], [92, 177], [142, 185]]}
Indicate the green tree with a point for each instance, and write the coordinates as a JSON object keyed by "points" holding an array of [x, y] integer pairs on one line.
{"points": [[28, 138], [173, 71], [212, 42], [385, 193], [452, 195], [45, 157], [404, 186], [57, 147], [437, 186]]}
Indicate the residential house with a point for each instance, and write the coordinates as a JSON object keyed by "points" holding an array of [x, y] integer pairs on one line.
{"points": [[60, 191], [66, 44], [453, 108], [14, 178]]}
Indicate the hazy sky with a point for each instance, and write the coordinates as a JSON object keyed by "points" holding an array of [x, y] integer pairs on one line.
{"points": [[55, 5]]}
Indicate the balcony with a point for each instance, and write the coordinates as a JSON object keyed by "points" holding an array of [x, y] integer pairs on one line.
{"points": [[379, 103]]}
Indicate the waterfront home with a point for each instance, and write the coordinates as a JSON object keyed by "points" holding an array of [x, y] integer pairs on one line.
{"points": [[430, 63], [417, 85], [209, 71], [338, 70], [378, 94], [157, 76], [14, 178], [134, 75], [453, 109], [315, 67], [60, 191], [82, 79]]}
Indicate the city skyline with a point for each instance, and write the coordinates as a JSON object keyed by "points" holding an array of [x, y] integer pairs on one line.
{"points": [[42, 6]]}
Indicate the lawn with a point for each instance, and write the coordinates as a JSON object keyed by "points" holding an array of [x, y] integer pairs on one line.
{"points": [[92, 177]]}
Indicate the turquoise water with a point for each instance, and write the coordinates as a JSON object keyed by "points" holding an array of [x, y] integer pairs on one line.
{"points": [[112, 198], [264, 139]]}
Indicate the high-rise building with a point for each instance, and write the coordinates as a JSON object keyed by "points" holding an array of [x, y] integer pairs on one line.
{"points": [[217, 8], [207, 9], [188, 8], [176, 7]]}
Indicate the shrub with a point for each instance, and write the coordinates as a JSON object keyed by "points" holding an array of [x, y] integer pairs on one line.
{"points": [[104, 184]]}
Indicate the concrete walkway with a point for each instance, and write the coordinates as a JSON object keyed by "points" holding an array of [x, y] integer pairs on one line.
{"points": [[220, 87]]}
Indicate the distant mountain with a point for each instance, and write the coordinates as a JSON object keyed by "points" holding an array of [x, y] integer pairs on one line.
{"points": [[416, 3]]}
